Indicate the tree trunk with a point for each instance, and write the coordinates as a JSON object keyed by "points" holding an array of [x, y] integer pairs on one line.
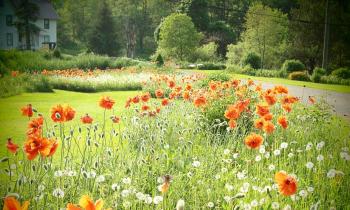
{"points": [[27, 31]]}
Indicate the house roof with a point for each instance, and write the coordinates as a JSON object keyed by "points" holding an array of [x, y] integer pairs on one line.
{"points": [[46, 10]]}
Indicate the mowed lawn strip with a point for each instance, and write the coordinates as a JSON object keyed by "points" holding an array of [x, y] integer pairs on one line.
{"points": [[281, 81], [14, 125]]}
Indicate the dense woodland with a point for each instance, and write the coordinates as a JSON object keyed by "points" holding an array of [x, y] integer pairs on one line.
{"points": [[276, 30]]}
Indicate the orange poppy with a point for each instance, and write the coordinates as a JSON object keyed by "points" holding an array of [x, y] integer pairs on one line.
{"points": [[35, 145], [115, 119], [145, 107], [165, 102], [86, 119], [54, 146], [200, 101], [258, 88], [128, 102], [171, 83], [157, 109], [69, 113], [159, 93], [270, 99], [287, 107], [287, 184], [35, 125], [232, 123], [250, 82], [282, 120], [232, 113], [12, 147], [254, 141], [136, 99], [312, 99], [262, 109], [289, 99], [268, 127], [213, 85], [57, 113], [145, 97], [188, 87], [242, 105], [27, 110], [106, 102], [235, 83], [186, 95], [11, 203], [166, 184], [268, 117], [86, 203], [178, 89], [281, 89], [259, 123]]}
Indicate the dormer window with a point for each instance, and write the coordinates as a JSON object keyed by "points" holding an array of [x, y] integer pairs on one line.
{"points": [[9, 20], [46, 24]]}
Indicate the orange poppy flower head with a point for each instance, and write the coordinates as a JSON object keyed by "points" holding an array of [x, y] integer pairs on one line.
{"points": [[287, 107], [166, 184], [258, 88], [86, 119], [145, 97], [11, 147], [136, 99], [188, 87], [106, 102], [250, 82], [242, 105], [186, 95], [281, 89], [159, 93], [14, 73], [172, 95], [115, 119], [270, 98], [178, 89], [35, 125], [213, 85], [165, 102], [312, 99], [282, 120], [86, 203], [253, 141], [36, 145], [235, 83], [54, 146], [128, 102], [268, 117], [268, 127], [262, 109], [27, 110], [259, 123], [11, 203], [287, 184], [232, 123], [57, 113], [231, 113], [69, 113], [289, 99], [200, 101], [171, 83], [158, 109], [145, 107]]}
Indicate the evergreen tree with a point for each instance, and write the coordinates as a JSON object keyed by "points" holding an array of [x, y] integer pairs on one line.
{"points": [[102, 38]]}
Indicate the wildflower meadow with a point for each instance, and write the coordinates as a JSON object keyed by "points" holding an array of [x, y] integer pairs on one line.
{"points": [[183, 142]]}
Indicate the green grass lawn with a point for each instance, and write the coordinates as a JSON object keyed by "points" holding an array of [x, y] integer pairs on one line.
{"points": [[336, 88], [13, 124]]}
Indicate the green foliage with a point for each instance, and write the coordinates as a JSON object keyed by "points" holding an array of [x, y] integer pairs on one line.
{"points": [[252, 59], [299, 75], [292, 66], [223, 35], [222, 77], [124, 62], [331, 79], [235, 53], [343, 73], [178, 37], [317, 74], [207, 52], [56, 53], [159, 60], [211, 66]]}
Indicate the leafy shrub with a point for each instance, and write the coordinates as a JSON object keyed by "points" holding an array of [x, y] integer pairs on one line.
{"points": [[159, 60], [56, 53], [211, 66], [292, 66], [207, 52], [234, 53], [299, 75], [317, 74], [252, 59], [124, 62], [343, 73], [331, 79]]}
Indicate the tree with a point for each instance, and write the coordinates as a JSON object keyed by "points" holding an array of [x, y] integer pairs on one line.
{"points": [[266, 34], [27, 13], [102, 39], [178, 37]]}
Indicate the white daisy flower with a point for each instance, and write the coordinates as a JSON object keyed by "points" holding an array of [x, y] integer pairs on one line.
{"points": [[157, 199], [309, 165], [58, 193], [196, 164], [210, 204]]}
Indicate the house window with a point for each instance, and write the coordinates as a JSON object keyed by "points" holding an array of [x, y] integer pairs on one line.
{"points": [[46, 24], [9, 20], [9, 38], [46, 38]]}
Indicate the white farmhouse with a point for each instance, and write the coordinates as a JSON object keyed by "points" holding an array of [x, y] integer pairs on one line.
{"points": [[47, 22]]}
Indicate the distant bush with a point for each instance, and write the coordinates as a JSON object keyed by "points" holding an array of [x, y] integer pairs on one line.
{"points": [[343, 73], [253, 72], [222, 77], [331, 79], [292, 66], [234, 53], [124, 62], [211, 66], [56, 53], [252, 59], [207, 52], [299, 75], [159, 60], [317, 74]]}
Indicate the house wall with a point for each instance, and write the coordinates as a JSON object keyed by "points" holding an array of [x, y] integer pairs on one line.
{"points": [[7, 9]]}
